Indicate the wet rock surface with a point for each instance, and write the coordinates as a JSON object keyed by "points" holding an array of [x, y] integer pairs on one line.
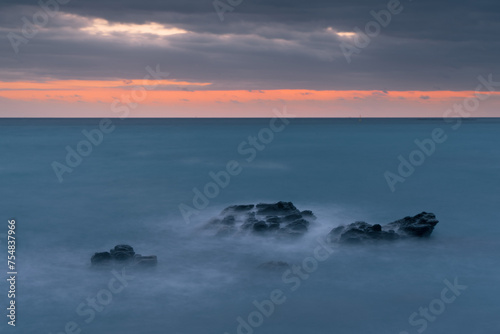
{"points": [[122, 255], [278, 219], [284, 219], [419, 226]]}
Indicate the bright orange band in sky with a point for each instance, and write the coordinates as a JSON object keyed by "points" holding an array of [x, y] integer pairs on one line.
{"points": [[157, 92]]}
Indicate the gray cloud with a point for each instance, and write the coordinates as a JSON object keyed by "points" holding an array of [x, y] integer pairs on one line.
{"points": [[265, 44]]}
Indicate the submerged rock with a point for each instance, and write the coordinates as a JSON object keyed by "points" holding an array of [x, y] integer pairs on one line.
{"points": [[419, 226], [278, 219], [122, 255]]}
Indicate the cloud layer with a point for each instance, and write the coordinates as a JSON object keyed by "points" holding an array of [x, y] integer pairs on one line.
{"points": [[260, 45]]}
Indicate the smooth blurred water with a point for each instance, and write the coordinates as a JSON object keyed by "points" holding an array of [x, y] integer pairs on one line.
{"points": [[129, 188]]}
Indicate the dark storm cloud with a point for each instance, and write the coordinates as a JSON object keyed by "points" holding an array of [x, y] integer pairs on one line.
{"points": [[265, 44]]}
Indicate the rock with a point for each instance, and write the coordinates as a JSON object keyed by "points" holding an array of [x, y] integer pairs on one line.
{"points": [[284, 219], [280, 208], [260, 226], [274, 219], [228, 220], [101, 258], [122, 255], [278, 219], [419, 226], [250, 221], [292, 217], [308, 214], [238, 208], [299, 225]]}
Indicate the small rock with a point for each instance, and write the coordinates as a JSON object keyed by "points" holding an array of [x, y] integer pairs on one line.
{"points": [[122, 255], [419, 226]]}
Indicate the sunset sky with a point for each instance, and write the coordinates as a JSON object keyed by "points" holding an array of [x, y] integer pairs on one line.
{"points": [[181, 58]]}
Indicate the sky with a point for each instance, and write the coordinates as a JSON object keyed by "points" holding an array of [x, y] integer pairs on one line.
{"points": [[248, 58]]}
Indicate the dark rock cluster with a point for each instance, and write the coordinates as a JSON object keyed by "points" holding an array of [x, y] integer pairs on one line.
{"points": [[284, 219], [279, 219], [122, 255], [419, 226]]}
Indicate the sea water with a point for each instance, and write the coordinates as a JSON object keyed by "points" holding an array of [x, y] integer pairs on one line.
{"points": [[130, 187]]}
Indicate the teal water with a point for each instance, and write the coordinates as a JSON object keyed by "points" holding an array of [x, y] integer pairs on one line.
{"points": [[129, 188]]}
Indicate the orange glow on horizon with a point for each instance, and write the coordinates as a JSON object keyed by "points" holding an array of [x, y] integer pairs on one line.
{"points": [[108, 91]]}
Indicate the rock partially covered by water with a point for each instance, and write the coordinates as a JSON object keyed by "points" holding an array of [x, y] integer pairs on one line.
{"points": [[279, 219], [419, 226], [122, 255]]}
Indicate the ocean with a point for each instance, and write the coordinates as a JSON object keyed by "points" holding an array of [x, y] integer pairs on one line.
{"points": [[150, 183]]}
